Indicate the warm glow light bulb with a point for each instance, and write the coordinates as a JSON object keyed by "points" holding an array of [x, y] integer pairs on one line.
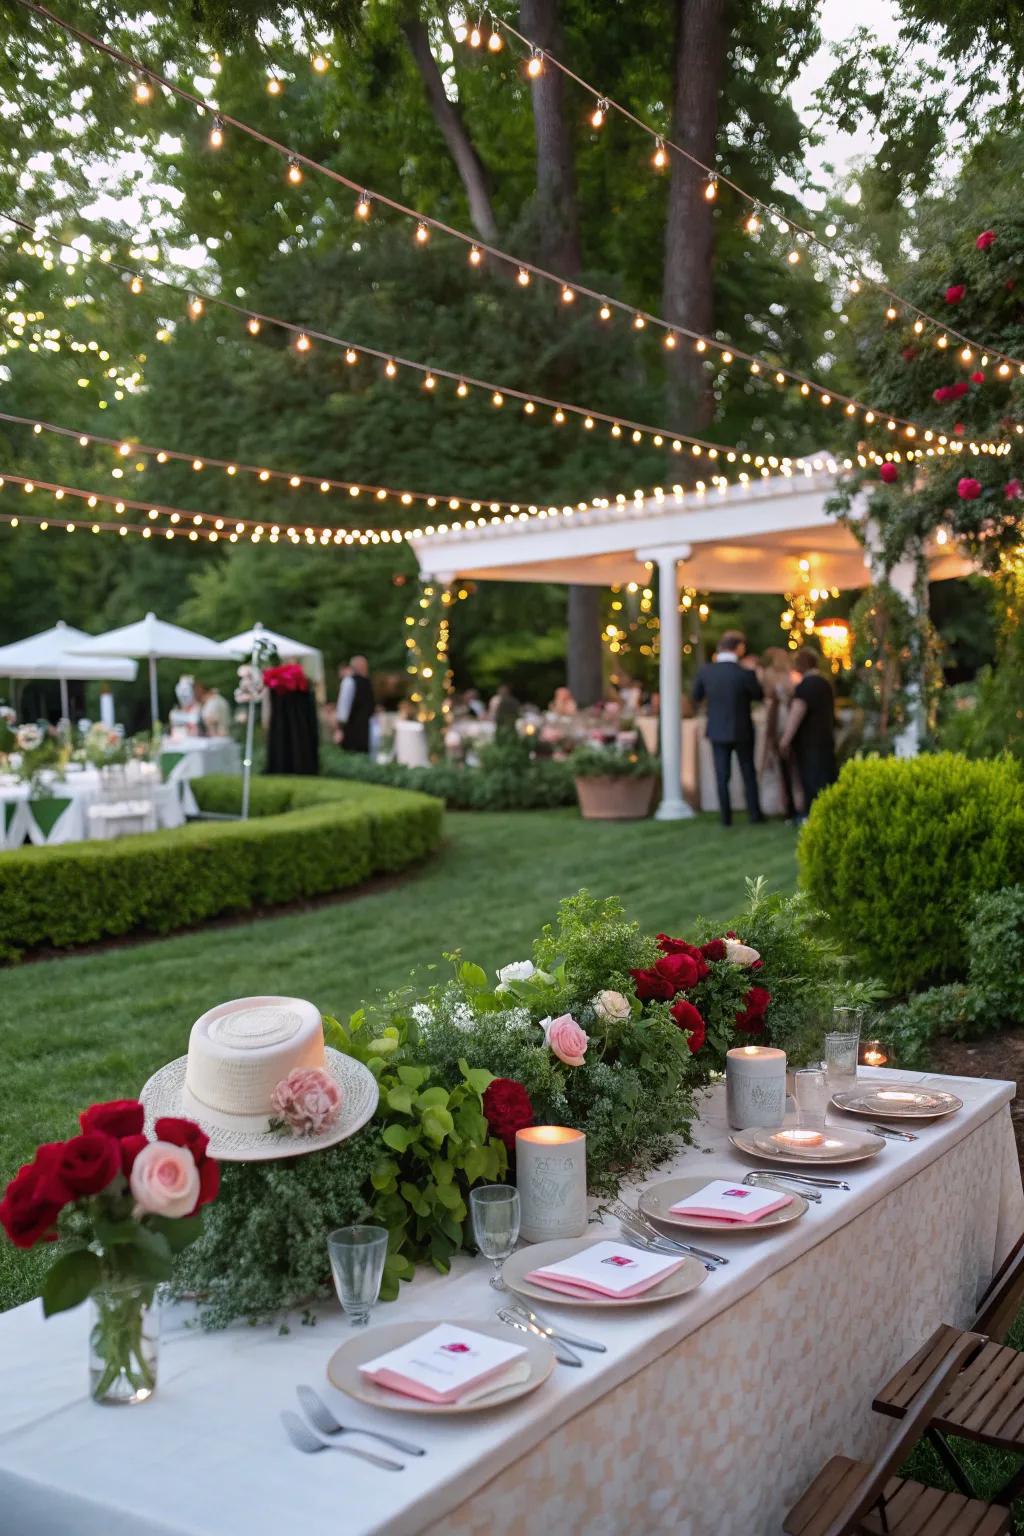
{"points": [[711, 189], [670, 340], [599, 113], [660, 157], [567, 294], [363, 206], [274, 86], [294, 171], [422, 233], [918, 326], [475, 256], [604, 313], [462, 389], [495, 42], [390, 369], [302, 342], [474, 38], [143, 91], [136, 285], [523, 278], [320, 64], [217, 134], [535, 67], [252, 325], [753, 224], [890, 313], [195, 306], [793, 258]]}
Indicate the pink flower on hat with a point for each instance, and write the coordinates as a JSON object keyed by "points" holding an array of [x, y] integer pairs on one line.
{"points": [[566, 1039], [308, 1100]]}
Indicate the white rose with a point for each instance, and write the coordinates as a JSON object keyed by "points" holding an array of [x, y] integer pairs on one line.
{"points": [[519, 970], [611, 1007], [740, 954], [28, 737]]}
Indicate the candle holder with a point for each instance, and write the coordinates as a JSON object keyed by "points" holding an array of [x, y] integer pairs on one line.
{"points": [[551, 1176], [873, 1053], [755, 1087]]}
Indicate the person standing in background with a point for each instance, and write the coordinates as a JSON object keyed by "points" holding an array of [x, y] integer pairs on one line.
{"points": [[730, 689], [214, 710], [810, 727], [777, 685], [355, 706]]}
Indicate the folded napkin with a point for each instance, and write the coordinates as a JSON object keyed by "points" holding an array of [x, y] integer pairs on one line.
{"points": [[448, 1364], [730, 1203], [609, 1269]]}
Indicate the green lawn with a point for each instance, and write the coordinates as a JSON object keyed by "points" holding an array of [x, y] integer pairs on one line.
{"points": [[91, 1027]]}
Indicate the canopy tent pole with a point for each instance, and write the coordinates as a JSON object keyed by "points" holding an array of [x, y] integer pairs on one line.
{"points": [[65, 707], [250, 725], [670, 682], [154, 696]]}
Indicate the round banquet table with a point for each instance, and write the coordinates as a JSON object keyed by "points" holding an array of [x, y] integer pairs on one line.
{"points": [[190, 757], [63, 815], [707, 1416]]}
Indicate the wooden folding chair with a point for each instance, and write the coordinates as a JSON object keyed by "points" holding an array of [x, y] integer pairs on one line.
{"points": [[985, 1402], [854, 1498]]}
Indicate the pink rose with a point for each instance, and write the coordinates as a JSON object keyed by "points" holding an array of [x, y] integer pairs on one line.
{"points": [[985, 239], [308, 1100], [954, 293], [565, 1037], [968, 489], [889, 473], [1013, 490], [165, 1180]]}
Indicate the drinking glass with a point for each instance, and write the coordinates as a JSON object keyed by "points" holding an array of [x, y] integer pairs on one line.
{"points": [[357, 1264], [842, 1045], [495, 1212], [812, 1093]]}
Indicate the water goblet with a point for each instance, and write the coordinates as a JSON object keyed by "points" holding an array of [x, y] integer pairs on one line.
{"points": [[495, 1212], [812, 1094], [357, 1264], [842, 1046]]}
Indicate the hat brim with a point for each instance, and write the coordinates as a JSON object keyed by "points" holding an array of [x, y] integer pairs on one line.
{"points": [[246, 1138]]}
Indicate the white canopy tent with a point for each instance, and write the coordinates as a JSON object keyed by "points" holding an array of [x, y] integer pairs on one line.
{"points": [[288, 649], [764, 535], [154, 640], [49, 655]]}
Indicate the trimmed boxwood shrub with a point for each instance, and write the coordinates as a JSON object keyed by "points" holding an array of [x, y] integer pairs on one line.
{"points": [[306, 837], [507, 779], [897, 851]]}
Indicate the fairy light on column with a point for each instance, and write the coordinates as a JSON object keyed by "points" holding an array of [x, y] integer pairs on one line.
{"points": [[427, 641]]}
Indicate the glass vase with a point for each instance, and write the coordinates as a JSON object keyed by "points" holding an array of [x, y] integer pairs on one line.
{"points": [[124, 1343]]}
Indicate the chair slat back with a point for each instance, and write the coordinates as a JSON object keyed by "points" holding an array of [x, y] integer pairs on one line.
{"points": [[1004, 1298], [906, 1435]]}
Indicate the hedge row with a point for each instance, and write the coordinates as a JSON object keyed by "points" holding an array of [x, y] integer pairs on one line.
{"points": [[507, 778], [307, 837], [897, 851]]}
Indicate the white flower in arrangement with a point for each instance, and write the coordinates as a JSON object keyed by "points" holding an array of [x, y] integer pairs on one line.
{"points": [[28, 737], [610, 1007], [422, 1013], [462, 1016], [250, 685], [518, 970], [739, 954], [8, 715]]}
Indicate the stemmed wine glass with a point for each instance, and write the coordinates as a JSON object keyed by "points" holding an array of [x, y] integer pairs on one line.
{"points": [[495, 1212]]}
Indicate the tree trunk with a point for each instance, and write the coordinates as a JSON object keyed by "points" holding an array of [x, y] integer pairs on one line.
{"points": [[687, 289], [584, 662], [470, 167], [558, 223]]}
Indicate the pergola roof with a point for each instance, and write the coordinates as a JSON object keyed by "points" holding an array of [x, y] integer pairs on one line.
{"points": [[743, 538]]}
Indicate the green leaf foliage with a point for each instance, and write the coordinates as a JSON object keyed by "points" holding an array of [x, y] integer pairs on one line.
{"points": [[70, 1279]]}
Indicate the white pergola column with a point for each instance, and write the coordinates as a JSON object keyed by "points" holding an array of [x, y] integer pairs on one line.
{"points": [[670, 680]]}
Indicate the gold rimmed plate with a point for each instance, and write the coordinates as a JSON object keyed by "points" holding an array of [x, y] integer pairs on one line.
{"points": [[897, 1101], [514, 1271], [656, 1202], [343, 1367], [839, 1144]]}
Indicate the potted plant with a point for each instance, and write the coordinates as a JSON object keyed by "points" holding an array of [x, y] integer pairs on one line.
{"points": [[613, 785]]}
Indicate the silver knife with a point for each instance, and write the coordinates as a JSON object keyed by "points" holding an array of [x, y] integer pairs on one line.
{"points": [[891, 1131], [560, 1333], [562, 1351]]}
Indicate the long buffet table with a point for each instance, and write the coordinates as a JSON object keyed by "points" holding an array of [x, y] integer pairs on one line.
{"points": [[705, 1418]]}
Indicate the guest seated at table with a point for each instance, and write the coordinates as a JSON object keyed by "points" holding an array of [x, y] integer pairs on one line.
{"points": [[473, 704], [729, 689], [810, 727], [214, 710], [563, 703]]}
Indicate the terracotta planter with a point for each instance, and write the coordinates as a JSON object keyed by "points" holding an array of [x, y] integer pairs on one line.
{"points": [[616, 797]]}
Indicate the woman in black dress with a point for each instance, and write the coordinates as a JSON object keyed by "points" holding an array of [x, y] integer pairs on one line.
{"points": [[810, 727]]}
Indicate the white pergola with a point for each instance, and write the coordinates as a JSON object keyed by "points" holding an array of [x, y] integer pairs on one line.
{"points": [[749, 537]]}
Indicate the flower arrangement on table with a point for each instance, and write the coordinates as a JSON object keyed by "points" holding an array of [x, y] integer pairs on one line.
{"points": [[31, 751], [104, 748], [122, 1206], [605, 1029]]}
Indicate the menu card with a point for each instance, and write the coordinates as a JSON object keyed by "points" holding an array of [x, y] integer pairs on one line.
{"points": [[445, 1364], [610, 1269], [722, 1200]]}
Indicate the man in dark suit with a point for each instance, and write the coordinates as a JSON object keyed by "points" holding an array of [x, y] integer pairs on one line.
{"points": [[730, 689], [355, 706]]}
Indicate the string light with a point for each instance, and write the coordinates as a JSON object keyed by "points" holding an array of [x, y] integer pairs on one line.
{"points": [[195, 306], [660, 157], [294, 171], [495, 42], [136, 284], [523, 278], [600, 112], [890, 313], [302, 342], [274, 86], [567, 294], [252, 325], [474, 39], [535, 65], [320, 64], [422, 233], [752, 224], [217, 132], [475, 257], [143, 90], [711, 188], [363, 206]]}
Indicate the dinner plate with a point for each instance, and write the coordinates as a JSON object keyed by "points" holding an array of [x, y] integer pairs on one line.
{"points": [[343, 1367], [539, 1255], [897, 1101], [842, 1144], [656, 1202]]}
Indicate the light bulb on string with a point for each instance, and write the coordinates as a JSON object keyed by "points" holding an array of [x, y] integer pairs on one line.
{"points": [[711, 187], [495, 43], [604, 313], [302, 342], [422, 233], [217, 132], [568, 296], [918, 327], [320, 64], [135, 286], [274, 86], [660, 157], [390, 369], [523, 278], [363, 206], [143, 90], [475, 38], [966, 354], [890, 313], [942, 342], [670, 340], [793, 257], [475, 256], [535, 66], [752, 224], [252, 325], [294, 171], [462, 389], [599, 113], [639, 322], [195, 306]]}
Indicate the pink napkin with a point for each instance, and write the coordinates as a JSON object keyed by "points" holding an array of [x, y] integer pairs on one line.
{"points": [[583, 1287]]}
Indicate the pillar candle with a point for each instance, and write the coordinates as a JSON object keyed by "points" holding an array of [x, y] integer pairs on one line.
{"points": [[755, 1087], [551, 1175]]}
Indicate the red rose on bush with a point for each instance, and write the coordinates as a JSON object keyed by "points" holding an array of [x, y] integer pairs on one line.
{"points": [[755, 1006], [968, 489], [507, 1109], [714, 950], [1013, 490], [958, 428], [88, 1163], [941, 395], [985, 239], [958, 390], [955, 292], [121, 1117], [185, 1133], [889, 473], [692, 1020], [670, 946], [667, 976], [977, 377], [28, 1212]]}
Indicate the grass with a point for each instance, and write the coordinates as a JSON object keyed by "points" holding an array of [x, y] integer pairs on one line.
{"points": [[91, 1027]]}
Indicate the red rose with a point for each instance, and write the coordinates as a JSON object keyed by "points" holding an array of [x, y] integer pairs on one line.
{"points": [[941, 395], [955, 293], [1013, 490], [121, 1117], [958, 428], [88, 1163], [185, 1133], [670, 946], [909, 353], [714, 950], [985, 239], [755, 1005], [131, 1146], [650, 986], [692, 1020], [507, 1109], [968, 489], [957, 390], [28, 1211], [977, 377], [889, 473]]}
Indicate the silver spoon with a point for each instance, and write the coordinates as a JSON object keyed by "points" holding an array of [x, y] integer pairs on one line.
{"points": [[321, 1418], [306, 1439]]}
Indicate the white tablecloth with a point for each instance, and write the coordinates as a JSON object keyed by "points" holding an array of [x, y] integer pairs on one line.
{"points": [[707, 1415], [63, 817], [190, 757]]}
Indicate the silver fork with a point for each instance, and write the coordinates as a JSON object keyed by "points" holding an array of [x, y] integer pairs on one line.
{"points": [[552, 1331], [774, 1181], [321, 1418], [305, 1439], [819, 1181], [562, 1351], [636, 1223]]}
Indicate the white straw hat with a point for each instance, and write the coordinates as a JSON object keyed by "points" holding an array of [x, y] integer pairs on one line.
{"points": [[238, 1052]]}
